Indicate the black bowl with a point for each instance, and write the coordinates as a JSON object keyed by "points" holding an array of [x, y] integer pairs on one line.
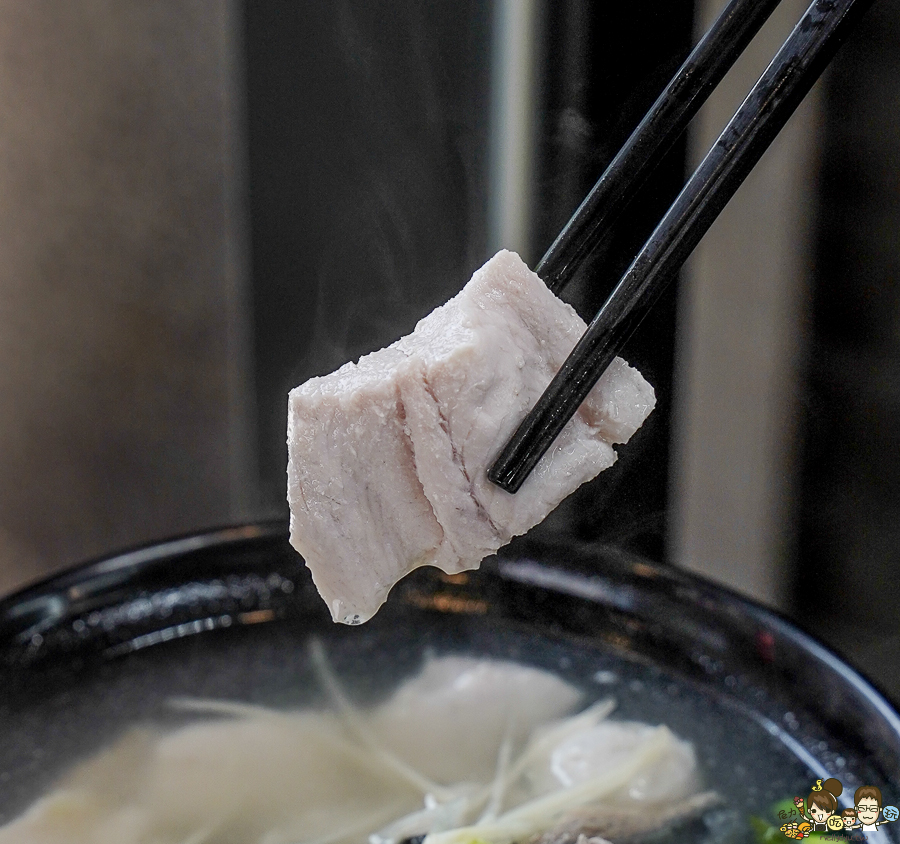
{"points": [[230, 614]]}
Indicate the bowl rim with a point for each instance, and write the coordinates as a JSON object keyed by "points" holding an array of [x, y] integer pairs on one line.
{"points": [[119, 570]]}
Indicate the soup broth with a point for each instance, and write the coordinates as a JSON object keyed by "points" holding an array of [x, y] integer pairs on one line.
{"points": [[755, 756]]}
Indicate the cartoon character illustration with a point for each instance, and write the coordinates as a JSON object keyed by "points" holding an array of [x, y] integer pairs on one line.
{"points": [[848, 819], [869, 806], [835, 823], [795, 830], [821, 804], [821, 813]]}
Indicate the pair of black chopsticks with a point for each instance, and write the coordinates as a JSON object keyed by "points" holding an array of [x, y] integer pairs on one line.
{"points": [[764, 112]]}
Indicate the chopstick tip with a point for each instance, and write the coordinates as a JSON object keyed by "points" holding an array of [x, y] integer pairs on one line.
{"points": [[506, 477]]}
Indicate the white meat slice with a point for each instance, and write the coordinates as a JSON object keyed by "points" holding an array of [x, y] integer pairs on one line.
{"points": [[388, 457], [606, 746], [449, 721], [358, 512]]}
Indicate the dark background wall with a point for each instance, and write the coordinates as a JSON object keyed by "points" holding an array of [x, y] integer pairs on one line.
{"points": [[601, 68], [848, 569], [368, 132]]}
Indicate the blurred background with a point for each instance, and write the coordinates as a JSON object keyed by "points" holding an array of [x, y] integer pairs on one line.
{"points": [[205, 202]]}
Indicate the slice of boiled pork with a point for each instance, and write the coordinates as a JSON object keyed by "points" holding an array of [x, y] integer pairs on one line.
{"points": [[387, 457]]}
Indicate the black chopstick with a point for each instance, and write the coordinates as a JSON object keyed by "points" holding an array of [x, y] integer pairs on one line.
{"points": [[780, 89], [668, 117]]}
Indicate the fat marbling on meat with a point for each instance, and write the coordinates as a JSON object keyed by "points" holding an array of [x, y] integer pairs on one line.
{"points": [[387, 457]]}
